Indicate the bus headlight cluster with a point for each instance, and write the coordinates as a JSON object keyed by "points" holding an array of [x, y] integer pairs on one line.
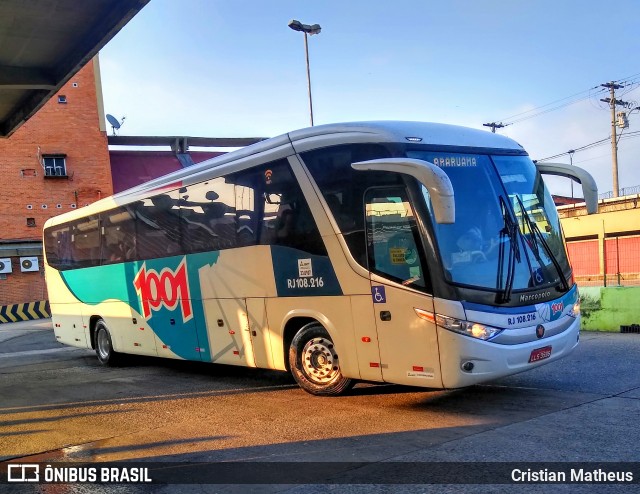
{"points": [[575, 310], [468, 328]]}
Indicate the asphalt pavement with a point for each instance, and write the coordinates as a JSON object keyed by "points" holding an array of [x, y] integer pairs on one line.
{"points": [[580, 411]]}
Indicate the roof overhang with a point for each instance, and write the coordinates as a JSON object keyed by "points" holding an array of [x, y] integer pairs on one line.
{"points": [[43, 43]]}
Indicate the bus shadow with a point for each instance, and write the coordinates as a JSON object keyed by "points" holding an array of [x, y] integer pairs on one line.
{"points": [[255, 375], [183, 368]]}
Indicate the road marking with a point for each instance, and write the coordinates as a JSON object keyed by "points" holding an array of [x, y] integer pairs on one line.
{"points": [[38, 352]]}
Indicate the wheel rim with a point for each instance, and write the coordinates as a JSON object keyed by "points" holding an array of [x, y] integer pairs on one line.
{"points": [[104, 346], [320, 361]]}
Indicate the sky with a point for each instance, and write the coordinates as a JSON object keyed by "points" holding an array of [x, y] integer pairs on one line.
{"points": [[233, 68]]}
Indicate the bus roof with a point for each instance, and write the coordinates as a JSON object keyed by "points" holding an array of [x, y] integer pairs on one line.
{"points": [[305, 140], [402, 131]]}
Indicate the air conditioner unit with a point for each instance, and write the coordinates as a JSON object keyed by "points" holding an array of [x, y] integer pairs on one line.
{"points": [[5, 265], [28, 264]]}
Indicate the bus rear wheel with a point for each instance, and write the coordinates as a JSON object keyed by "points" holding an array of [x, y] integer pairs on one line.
{"points": [[314, 362], [104, 346]]}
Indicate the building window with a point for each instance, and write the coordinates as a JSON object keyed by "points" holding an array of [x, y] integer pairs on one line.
{"points": [[62, 99], [54, 165], [31, 222]]}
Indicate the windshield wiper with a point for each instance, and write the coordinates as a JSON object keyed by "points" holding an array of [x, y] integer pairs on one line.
{"points": [[508, 231], [535, 232]]}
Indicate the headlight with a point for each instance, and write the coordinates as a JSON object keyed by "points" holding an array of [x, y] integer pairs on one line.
{"points": [[467, 328], [575, 310]]}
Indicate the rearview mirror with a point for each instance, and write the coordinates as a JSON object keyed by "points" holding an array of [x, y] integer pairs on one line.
{"points": [[432, 177], [580, 175]]}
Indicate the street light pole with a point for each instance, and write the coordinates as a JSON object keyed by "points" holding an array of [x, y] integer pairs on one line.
{"points": [[571, 151], [306, 29], [306, 52]]}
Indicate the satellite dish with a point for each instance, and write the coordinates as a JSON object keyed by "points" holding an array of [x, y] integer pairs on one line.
{"points": [[113, 121], [115, 125]]}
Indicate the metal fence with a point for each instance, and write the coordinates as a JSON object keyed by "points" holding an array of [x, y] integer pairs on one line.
{"points": [[625, 191], [615, 262]]}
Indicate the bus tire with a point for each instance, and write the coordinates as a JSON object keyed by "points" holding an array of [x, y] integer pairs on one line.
{"points": [[104, 347], [314, 362]]}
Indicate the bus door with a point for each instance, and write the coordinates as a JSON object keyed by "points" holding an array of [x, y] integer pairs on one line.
{"points": [[408, 344]]}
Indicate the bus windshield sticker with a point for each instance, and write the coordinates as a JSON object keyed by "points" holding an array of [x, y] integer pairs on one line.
{"points": [[397, 255]]}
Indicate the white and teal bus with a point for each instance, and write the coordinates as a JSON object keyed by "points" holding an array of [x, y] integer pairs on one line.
{"points": [[401, 252]]}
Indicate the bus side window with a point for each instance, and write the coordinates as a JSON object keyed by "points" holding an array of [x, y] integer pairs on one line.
{"points": [[343, 188], [286, 217], [86, 242], [208, 216], [118, 238], [246, 232], [285, 230], [58, 247], [158, 221]]}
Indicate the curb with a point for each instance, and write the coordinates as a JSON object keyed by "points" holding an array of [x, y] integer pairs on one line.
{"points": [[27, 311]]}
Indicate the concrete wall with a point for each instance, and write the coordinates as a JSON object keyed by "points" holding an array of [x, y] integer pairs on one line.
{"points": [[613, 218], [606, 309]]}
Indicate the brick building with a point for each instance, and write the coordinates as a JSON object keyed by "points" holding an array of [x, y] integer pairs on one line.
{"points": [[56, 161]]}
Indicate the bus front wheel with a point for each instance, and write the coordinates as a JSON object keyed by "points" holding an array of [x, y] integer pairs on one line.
{"points": [[104, 347], [314, 363]]}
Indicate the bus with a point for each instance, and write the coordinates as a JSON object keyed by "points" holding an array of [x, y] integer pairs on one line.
{"points": [[412, 253]]}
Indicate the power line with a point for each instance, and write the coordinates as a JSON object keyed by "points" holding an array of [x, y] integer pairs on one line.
{"points": [[546, 109], [631, 80], [582, 148], [595, 144], [549, 110]]}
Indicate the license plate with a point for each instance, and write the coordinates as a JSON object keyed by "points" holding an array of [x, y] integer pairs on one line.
{"points": [[540, 354]]}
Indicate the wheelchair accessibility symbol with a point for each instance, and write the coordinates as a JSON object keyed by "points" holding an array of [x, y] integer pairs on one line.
{"points": [[378, 295]]}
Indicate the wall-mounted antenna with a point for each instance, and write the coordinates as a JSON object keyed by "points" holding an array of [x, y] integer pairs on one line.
{"points": [[115, 125]]}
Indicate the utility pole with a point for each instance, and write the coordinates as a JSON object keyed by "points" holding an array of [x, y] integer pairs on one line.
{"points": [[612, 86], [494, 126]]}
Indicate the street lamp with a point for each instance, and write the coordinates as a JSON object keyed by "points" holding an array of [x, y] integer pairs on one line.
{"points": [[306, 29]]}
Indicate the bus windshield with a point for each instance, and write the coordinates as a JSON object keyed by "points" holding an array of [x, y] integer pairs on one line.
{"points": [[506, 235]]}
